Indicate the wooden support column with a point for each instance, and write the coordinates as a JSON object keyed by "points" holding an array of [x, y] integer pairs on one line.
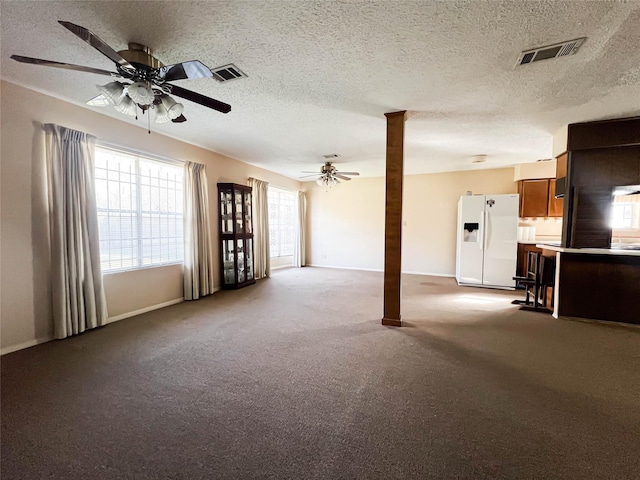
{"points": [[393, 218]]}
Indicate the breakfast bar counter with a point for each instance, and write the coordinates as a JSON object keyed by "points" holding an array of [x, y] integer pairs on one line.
{"points": [[597, 283]]}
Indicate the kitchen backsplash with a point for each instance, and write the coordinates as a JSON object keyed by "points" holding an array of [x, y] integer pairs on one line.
{"points": [[552, 229], [625, 236], [544, 227]]}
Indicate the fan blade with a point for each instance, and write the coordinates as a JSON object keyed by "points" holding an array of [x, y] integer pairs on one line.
{"points": [[307, 171], [349, 173], [98, 44], [185, 70], [179, 119], [68, 66], [99, 101], [307, 176], [201, 99], [341, 176]]}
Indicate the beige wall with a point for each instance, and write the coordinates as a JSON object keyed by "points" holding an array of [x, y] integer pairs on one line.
{"points": [[533, 170], [346, 223], [560, 141], [25, 295]]}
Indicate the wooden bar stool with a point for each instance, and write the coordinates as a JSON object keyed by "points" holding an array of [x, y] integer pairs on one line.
{"points": [[547, 277], [533, 283]]}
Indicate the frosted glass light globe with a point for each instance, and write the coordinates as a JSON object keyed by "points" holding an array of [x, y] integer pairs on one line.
{"points": [[173, 108], [126, 106], [140, 93]]}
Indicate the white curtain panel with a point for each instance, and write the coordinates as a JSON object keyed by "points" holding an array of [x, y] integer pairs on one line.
{"points": [[198, 254], [261, 253], [76, 284], [299, 246]]}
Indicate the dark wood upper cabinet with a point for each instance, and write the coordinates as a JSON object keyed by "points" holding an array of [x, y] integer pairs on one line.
{"points": [[619, 132], [538, 198], [556, 205], [561, 165], [534, 197], [606, 167], [590, 217], [602, 155]]}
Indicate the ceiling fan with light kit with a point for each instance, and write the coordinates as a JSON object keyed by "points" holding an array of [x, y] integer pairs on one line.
{"points": [[141, 81], [329, 175]]}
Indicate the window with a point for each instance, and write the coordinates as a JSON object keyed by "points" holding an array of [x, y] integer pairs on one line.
{"points": [[139, 204], [625, 212], [282, 222]]}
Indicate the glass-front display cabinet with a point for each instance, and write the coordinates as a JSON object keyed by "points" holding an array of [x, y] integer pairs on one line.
{"points": [[236, 235]]}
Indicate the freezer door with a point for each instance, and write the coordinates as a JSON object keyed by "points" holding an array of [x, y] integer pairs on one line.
{"points": [[470, 235], [501, 240]]}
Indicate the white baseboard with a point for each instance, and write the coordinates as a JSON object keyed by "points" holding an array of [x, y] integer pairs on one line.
{"points": [[345, 268], [122, 316], [448, 275], [381, 270], [37, 341], [21, 346], [282, 266]]}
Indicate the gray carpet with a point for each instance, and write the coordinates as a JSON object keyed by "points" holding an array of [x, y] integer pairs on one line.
{"points": [[295, 377]]}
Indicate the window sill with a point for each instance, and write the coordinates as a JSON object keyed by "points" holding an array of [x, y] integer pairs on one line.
{"points": [[145, 267]]}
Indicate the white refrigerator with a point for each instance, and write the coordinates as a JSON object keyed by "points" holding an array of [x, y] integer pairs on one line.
{"points": [[487, 240]]}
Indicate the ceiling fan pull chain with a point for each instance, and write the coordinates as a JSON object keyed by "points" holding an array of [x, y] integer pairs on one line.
{"points": [[149, 124]]}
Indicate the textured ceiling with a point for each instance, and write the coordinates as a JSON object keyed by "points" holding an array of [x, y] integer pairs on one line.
{"points": [[322, 74]]}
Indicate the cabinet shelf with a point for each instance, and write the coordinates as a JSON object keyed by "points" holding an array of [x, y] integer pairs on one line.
{"points": [[235, 227]]}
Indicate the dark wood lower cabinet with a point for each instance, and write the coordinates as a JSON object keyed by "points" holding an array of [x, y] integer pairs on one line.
{"points": [[600, 287], [523, 256]]}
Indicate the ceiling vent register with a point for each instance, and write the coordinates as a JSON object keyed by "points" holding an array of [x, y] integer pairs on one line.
{"points": [[227, 72], [550, 51]]}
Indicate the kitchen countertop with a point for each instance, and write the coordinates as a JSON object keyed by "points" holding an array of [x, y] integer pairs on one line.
{"points": [[549, 241], [591, 251]]}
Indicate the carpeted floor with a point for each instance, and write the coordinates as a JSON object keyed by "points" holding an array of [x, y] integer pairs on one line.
{"points": [[295, 378]]}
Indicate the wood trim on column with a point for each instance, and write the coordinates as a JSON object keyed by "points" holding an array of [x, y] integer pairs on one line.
{"points": [[393, 218]]}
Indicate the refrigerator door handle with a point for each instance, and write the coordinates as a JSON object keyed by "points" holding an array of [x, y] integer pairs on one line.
{"points": [[487, 227], [481, 232]]}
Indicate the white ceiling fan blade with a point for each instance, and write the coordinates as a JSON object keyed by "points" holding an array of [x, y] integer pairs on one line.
{"points": [[93, 40], [99, 101], [341, 176], [185, 70], [307, 176], [349, 173]]}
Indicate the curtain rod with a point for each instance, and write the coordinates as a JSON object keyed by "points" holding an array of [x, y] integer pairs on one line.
{"points": [[133, 151], [277, 187]]}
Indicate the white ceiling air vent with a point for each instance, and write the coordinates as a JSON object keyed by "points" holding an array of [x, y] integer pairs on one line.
{"points": [[551, 51], [227, 72], [331, 155]]}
